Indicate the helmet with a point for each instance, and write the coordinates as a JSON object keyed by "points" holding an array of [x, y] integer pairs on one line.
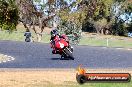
{"points": [[53, 32]]}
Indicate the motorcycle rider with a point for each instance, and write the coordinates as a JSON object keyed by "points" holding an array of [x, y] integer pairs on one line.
{"points": [[54, 33]]}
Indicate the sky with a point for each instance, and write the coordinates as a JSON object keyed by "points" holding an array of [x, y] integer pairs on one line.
{"points": [[124, 17], [45, 1]]}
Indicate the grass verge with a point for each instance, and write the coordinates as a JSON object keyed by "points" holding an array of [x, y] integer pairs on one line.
{"points": [[87, 39], [106, 42], [50, 78], [18, 36]]}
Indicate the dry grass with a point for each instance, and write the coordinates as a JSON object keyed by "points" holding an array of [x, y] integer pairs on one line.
{"points": [[45, 77], [21, 28]]}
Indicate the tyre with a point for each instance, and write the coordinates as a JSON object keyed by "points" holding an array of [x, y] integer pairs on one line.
{"points": [[68, 52], [71, 48], [81, 79], [27, 40]]}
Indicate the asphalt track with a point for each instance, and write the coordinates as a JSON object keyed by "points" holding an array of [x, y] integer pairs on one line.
{"points": [[38, 55]]}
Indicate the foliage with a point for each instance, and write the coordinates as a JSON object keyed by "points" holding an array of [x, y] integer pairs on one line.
{"points": [[97, 14], [71, 23], [72, 30], [9, 15], [105, 15], [129, 27], [100, 16], [119, 28]]}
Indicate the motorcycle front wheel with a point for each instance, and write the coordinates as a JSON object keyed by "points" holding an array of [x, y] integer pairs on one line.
{"points": [[68, 52]]}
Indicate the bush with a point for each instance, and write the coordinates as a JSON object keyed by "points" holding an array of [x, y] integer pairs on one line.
{"points": [[118, 28], [72, 30]]}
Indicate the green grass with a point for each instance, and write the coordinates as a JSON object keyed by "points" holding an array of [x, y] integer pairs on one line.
{"points": [[103, 42], [19, 36], [92, 42], [4, 35], [46, 38]]}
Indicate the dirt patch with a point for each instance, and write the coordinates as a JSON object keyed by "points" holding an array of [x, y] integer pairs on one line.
{"points": [[23, 78]]}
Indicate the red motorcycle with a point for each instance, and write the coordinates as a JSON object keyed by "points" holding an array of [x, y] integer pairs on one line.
{"points": [[62, 47]]}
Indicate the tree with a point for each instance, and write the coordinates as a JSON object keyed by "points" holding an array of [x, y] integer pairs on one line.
{"points": [[98, 13], [102, 15], [30, 17], [8, 15], [71, 21]]}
